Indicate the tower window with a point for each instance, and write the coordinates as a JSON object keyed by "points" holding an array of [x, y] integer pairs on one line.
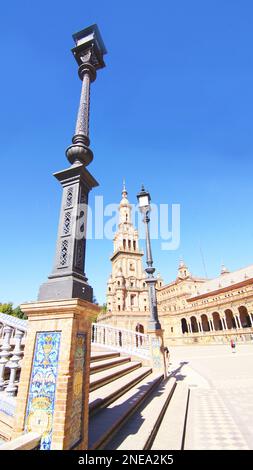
{"points": [[134, 245], [118, 307], [126, 217], [124, 244], [129, 244]]}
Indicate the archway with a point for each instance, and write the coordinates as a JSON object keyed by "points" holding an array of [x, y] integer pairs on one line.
{"points": [[244, 317], [231, 323], [204, 322], [184, 326], [217, 321], [139, 329], [194, 325]]}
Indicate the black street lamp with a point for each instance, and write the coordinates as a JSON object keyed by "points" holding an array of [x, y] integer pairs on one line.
{"points": [[144, 205]]}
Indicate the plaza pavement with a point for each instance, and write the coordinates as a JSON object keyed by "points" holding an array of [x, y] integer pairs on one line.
{"points": [[220, 412]]}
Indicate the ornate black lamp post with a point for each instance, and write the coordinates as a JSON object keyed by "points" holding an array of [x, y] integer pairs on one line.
{"points": [[68, 279], [144, 205]]}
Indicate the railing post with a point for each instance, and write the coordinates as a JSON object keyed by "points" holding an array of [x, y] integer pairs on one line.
{"points": [[14, 363], [5, 354]]}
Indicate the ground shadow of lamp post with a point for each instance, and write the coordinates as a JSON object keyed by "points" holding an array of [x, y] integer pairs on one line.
{"points": [[154, 327], [53, 395]]}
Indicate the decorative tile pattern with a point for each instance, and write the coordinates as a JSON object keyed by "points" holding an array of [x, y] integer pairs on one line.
{"points": [[41, 398], [78, 390], [156, 344]]}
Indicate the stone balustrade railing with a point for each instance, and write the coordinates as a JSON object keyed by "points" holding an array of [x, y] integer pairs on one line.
{"points": [[12, 335], [12, 341], [120, 339]]}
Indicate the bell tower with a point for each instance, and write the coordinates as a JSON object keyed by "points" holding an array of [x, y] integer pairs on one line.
{"points": [[183, 271], [126, 287]]}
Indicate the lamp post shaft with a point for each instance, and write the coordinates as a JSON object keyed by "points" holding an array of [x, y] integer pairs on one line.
{"points": [[154, 323], [82, 122]]}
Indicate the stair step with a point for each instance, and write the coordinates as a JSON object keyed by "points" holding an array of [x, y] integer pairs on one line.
{"points": [[108, 363], [105, 395], [140, 430], [100, 356], [170, 433], [107, 421], [104, 377]]}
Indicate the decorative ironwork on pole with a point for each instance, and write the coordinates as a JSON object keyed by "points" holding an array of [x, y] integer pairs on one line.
{"points": [[68, 279]]}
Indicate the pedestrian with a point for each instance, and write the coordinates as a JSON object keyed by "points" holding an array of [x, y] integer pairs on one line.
{"points": [[232, 344], [167, 355]]}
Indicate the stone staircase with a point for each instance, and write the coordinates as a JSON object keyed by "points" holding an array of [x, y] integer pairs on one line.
{"points": [[127, 403], [130, 406]]}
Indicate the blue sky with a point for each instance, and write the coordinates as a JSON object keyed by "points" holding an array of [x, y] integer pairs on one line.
{"points": [[173, 109]]}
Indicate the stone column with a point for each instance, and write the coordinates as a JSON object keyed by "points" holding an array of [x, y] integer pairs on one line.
{"points": [[189, 327], [251, 319], [224, 323], [239, 321], [200, 326], [210, 324], [54, 385]]}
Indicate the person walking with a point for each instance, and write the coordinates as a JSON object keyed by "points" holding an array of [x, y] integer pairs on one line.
{"points": [[233, 346], [167, 356]]}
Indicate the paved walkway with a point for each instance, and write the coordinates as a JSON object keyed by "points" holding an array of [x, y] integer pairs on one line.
{"points": [[220, 414]]}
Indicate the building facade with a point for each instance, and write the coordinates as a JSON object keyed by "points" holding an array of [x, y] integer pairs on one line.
{"points": [[215, 310], [191, 309]]}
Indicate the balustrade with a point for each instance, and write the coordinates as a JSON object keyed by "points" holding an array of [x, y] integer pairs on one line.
{"points": [[120, 339], [12, 333]]}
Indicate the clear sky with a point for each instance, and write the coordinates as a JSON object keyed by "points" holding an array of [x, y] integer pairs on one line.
{"points": [[173, 109]]}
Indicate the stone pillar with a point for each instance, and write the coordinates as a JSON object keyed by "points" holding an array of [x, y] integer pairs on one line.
{"points": [[224, 323], [200, 326], [239, 321], [156, 344], [251, 319], [54, 384], [210, 324], [189, 327]]}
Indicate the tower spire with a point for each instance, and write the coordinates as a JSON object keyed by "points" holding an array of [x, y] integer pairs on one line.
{"points": [[124, 191]]}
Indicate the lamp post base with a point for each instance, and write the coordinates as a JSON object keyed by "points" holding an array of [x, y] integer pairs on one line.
{"points": [[157, 352], [68, 287]]}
